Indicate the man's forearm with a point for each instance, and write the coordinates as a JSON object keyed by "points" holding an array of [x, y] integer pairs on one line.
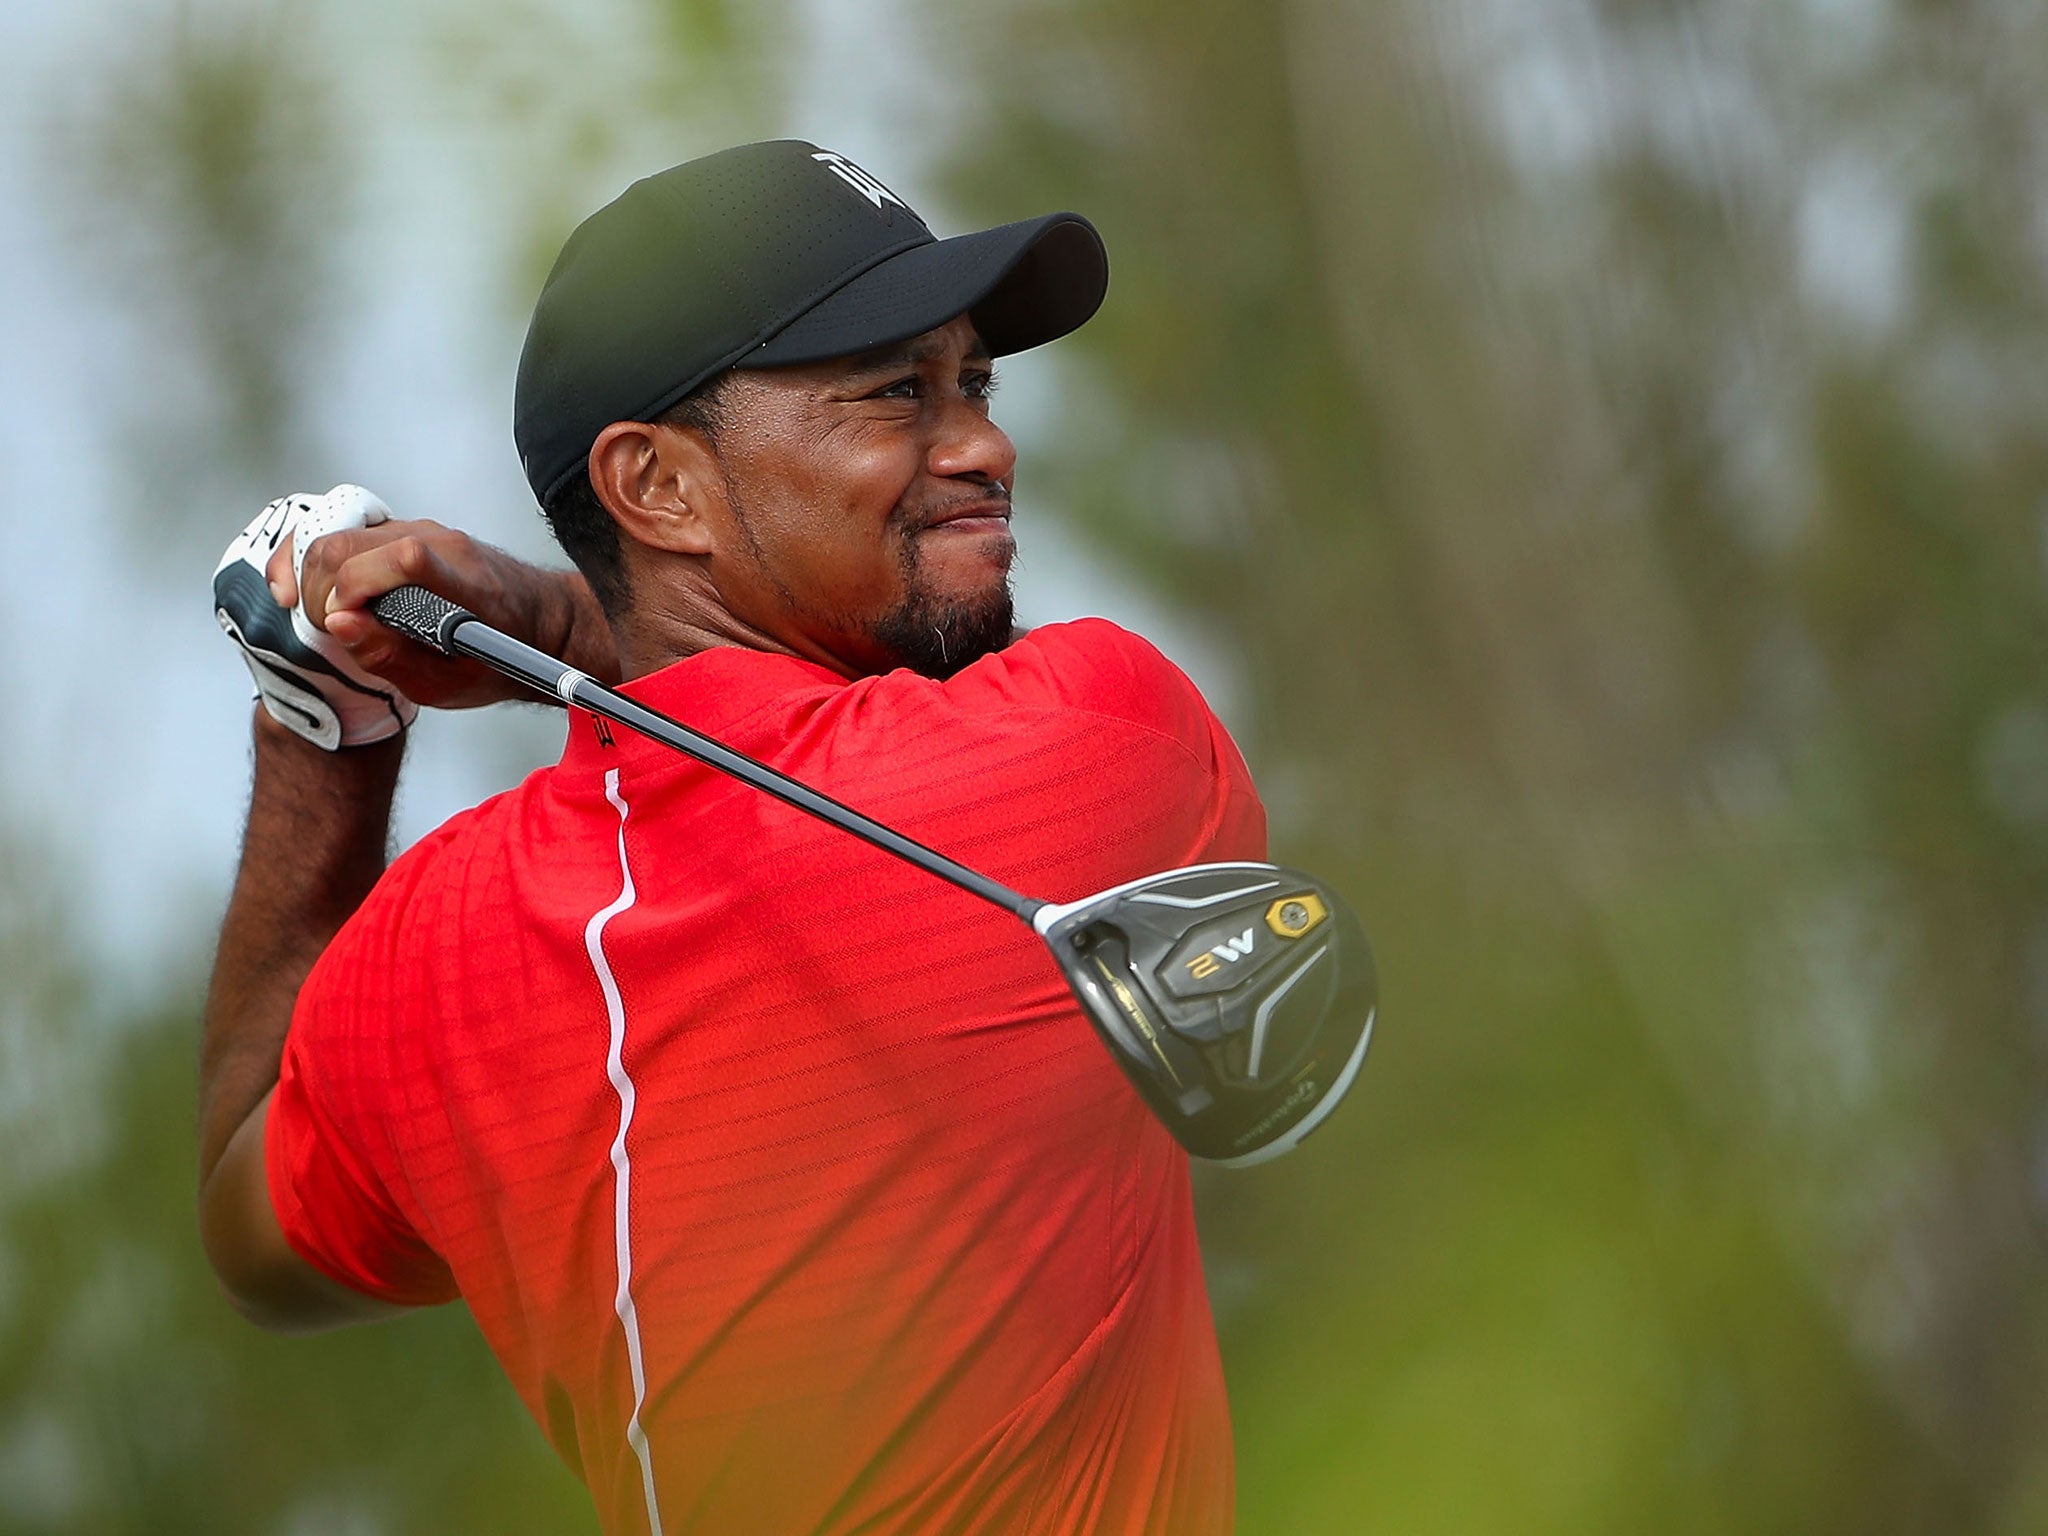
{"points": [[315, 844]]}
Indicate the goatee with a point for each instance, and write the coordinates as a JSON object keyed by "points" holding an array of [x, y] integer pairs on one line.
{"points": [[936, 637]]}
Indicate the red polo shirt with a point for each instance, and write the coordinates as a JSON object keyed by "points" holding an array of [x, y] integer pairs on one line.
{"points": [[788, 1183]]}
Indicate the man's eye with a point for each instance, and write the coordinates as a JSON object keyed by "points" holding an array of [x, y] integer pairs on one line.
{"points": [[975, 386]]}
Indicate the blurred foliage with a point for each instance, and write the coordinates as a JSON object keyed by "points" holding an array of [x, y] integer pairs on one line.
{"points": [[132, 1399], [1612, 434], [577, 101], [1609, 432], [210, 186]]}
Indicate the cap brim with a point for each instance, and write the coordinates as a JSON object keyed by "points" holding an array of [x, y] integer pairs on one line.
{"points": [[1023, 284]]}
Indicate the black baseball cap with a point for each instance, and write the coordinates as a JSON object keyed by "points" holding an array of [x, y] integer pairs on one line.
{"points": [[760, 256]]}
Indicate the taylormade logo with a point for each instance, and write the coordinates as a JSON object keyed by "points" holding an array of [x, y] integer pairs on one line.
{"points": [[858, 179], [1286, 1107]]}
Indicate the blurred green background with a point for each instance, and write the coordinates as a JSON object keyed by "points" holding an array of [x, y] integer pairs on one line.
{"points": [[1592, 449]]}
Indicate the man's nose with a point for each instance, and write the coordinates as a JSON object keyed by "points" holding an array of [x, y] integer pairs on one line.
{"points": [[969, 446]]}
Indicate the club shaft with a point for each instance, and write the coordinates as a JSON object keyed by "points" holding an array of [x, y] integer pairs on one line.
{"points": [[542, 672]]}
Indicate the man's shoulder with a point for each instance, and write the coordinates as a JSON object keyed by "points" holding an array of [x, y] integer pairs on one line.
{"points": [[462, 836], [419, 899], [1091, 640], [1095, 644], [1100, 668]]}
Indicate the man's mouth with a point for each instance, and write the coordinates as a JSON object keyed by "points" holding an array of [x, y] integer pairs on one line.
{"points": [[991, 516]]}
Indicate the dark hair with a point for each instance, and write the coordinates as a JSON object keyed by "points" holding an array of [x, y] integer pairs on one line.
{"points": [[583, 527]]}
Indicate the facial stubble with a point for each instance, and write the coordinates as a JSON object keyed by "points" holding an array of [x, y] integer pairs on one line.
{"points": [[935, 635], [932, 634]]}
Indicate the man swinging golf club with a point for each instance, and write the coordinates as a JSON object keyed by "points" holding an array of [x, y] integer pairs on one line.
{"points": [[789, 1185]]}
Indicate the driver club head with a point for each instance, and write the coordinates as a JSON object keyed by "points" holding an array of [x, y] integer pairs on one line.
{"points": [[1238, 999]]}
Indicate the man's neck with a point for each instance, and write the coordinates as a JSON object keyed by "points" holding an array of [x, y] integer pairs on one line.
{"points": [[681, 618]]}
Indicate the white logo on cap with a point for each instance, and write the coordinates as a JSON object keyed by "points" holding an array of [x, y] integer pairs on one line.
{"points": [[858, 179]]}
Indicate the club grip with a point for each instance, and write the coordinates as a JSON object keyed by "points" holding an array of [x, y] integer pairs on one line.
{"points": [[421, 615]]}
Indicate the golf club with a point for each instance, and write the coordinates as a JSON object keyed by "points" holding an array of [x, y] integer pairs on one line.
{"points": [[1237, 998]]}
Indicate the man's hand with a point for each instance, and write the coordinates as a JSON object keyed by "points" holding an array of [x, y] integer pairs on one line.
{"points": [[332, 673], [343, 572], [306, 679]]}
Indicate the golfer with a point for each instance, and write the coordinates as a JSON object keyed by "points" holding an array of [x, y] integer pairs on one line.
{"points": [[788, 1184]]}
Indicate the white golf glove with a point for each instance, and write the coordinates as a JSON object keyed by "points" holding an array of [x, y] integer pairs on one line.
{"points": [[303, 674]]}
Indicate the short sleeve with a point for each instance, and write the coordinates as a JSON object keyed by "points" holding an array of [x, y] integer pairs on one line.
{"points": [[326, 1190]]}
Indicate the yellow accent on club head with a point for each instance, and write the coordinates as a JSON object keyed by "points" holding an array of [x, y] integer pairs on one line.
{"points": [[1292, 916]]}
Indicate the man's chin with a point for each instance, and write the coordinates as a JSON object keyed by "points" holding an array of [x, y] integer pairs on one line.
{"points": [[966, 561], [937, 636]]}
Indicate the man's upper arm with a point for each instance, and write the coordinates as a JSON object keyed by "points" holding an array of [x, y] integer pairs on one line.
{"points": [[335, 1124], [262, 1274], [300, 1217]]}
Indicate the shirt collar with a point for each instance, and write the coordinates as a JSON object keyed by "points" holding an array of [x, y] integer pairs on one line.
{"points": [[712, 692]]}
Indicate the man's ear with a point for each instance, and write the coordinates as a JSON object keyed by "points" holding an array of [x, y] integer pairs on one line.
{"points": [[661, 485]]}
